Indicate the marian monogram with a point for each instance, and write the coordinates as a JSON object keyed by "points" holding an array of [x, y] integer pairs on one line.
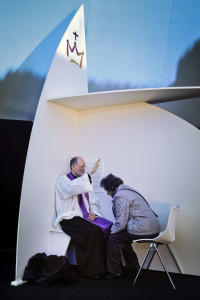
{"points": [[70, 49]]}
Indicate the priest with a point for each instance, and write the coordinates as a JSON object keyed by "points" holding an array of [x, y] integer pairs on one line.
{"points": [[78, 214]]}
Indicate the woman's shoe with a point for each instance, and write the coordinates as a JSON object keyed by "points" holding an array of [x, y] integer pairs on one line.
{"points": [[113, 276]]}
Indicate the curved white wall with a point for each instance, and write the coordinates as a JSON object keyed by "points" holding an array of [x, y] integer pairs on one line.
{"points": [[53, 136]]}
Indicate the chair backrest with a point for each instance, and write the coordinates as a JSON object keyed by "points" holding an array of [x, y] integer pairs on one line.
{"points": [[168, 235]]}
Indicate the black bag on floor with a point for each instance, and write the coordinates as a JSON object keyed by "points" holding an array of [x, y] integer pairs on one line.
{"points": [[45, 270]]}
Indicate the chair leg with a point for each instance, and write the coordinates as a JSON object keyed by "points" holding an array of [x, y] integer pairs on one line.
{"points": [[148, 252], [165, 268], [152, 249], [172, 255]]}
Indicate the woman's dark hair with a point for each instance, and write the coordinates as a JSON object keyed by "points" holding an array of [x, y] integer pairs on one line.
{"points": [[110, 182]]}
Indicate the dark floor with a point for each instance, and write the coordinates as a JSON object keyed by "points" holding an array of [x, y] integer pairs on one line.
{"points": [[151, 285]]}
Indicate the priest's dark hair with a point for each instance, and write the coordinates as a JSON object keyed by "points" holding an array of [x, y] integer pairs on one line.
{"points": [[73, 161], [110, 182]]}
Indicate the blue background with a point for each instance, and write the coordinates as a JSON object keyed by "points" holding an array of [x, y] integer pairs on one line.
{"points": [[130, 44]]}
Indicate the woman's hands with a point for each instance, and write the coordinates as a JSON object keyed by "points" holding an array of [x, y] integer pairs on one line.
{"points": [[92, 216]]}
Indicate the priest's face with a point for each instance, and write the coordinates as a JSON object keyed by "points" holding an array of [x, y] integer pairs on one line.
{"points": [[79, 169]]}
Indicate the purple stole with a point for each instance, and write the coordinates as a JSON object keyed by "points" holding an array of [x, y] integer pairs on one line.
{"points": [[80, 199], [101, 222]]}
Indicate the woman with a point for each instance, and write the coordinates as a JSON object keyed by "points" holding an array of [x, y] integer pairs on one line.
{"points": [[134, 219]]}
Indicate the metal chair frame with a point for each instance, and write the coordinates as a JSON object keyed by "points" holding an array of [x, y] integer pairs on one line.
{"points": [[167, 234]]}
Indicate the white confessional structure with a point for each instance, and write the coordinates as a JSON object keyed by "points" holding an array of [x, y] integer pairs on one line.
{"points": [[151, 149]]}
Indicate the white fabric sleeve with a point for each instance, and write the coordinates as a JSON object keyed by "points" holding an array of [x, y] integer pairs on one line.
{"points": [[68, 188]]}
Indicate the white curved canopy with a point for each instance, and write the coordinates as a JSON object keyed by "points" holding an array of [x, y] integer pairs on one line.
{"points": [[121, 97]]}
